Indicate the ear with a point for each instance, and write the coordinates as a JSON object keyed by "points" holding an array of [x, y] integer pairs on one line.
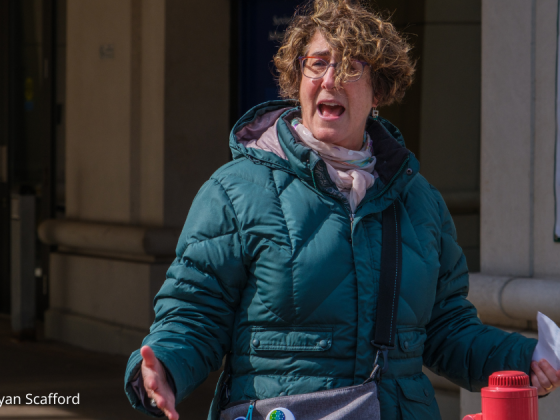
{"points": [[375, 102]]}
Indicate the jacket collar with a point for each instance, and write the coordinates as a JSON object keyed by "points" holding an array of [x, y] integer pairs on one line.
{"points": [[395, 164]]}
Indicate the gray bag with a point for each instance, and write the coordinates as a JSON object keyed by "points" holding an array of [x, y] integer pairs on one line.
{"points": [[352, 402]]}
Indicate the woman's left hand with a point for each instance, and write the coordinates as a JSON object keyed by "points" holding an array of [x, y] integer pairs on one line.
{"points": [[544, 377]]}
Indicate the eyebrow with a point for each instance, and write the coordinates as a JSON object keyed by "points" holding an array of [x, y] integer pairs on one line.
{"points": [[320, 53]]}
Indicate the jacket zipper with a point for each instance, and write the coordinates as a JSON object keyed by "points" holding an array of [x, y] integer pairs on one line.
{"points": [[353, 215], [338, 199]]}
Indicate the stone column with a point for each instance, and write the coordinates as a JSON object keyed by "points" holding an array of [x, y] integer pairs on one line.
{"points": [[508, 136], [146, 124]]}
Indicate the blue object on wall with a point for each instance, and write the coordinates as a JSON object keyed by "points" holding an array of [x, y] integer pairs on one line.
{"points": [[261, 28]]}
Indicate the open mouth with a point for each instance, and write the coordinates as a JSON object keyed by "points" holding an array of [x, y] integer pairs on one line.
{"points": [[330, 109]]}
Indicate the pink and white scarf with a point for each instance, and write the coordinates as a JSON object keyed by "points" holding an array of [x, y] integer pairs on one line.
{"points": [[352, 171]]}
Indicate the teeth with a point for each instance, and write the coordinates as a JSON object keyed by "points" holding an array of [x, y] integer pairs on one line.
{"points": [[330, 103]]}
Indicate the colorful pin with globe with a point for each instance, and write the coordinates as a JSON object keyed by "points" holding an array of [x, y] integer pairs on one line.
{"points": [[280, 413]]}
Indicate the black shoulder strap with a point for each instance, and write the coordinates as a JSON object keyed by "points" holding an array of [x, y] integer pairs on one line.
{"points": [[389, 282], [224, 384]]}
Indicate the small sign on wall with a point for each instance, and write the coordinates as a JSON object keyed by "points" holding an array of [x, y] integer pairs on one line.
{"points": [[107, 51], [261, 30]]}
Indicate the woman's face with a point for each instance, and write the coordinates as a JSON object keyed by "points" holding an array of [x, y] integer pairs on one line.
{"points": [[335, 116]]}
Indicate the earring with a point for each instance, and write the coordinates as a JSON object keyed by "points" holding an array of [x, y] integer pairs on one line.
{"points": [[374, 113]]}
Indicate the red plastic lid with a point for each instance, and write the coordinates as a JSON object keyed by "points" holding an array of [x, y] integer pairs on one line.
{"points": [[509, 378], [509, 384]]}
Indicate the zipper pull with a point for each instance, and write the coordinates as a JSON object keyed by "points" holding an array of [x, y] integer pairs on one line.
{"points": [[352, 222], [249, 415]]}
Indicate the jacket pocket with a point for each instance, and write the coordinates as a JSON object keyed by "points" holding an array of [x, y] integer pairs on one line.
{"points": [[291, 339], [418, 398], [411, 340]]}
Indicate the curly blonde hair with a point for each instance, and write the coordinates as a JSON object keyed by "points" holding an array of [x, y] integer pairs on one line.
{"points": [[354, 32]]}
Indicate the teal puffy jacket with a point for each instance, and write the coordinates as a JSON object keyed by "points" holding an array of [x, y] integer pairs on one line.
{"points": [[272, 266]]}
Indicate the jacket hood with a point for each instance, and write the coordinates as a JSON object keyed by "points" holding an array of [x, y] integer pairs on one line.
{"points": [[294, 157]]}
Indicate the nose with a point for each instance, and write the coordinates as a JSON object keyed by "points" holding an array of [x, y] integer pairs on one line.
{"points": [[329, 78]]}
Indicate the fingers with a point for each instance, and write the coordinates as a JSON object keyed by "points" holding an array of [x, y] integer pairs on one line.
{"points": [[166, 403], [546, 375], [152, 371], [150, 359], [550, 373], [536, 383], [544, 384], [171, 414]]}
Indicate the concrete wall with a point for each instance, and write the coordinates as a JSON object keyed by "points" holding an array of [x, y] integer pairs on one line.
{"points": [[101, 304], [98, 111], [83, 285], [139, 121], [146, 124], [507, 137], [518, 137]]}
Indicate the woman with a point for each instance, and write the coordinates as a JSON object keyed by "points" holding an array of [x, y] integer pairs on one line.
{"points": [[279, 259]]}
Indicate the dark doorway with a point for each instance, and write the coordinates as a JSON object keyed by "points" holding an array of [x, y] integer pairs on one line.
{"points": [[28, 124]]}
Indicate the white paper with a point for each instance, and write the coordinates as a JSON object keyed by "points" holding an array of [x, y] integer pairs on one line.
{"points": [[548, 346]]}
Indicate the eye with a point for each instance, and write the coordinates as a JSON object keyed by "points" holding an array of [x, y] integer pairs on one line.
{"points": [[316, 63]]}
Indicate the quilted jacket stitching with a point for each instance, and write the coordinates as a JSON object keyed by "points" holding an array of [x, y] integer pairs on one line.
{"points": [[280, 202]]}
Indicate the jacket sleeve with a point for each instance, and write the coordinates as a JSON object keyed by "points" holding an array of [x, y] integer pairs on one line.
{"points": [[196, 305], [459, 347]]}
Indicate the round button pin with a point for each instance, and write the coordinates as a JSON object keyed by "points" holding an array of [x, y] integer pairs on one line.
{"points": [[280, 413]]}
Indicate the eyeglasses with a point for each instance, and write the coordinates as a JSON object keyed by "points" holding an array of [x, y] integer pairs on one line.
{"points": [[315, 68]]}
